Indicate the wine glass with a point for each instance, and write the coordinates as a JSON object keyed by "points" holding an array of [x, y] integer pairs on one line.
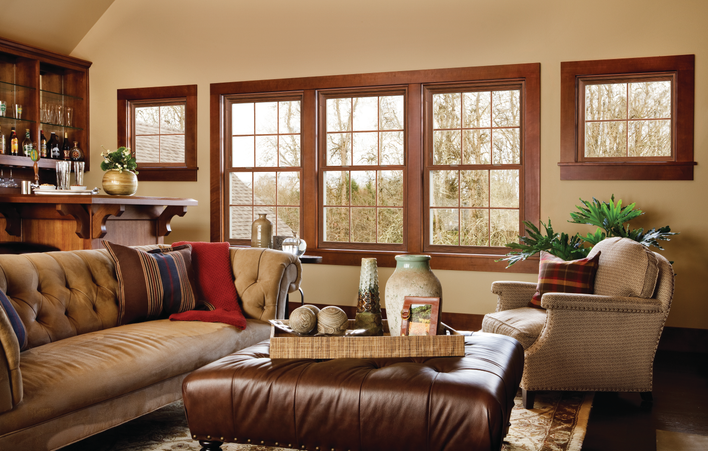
{"points": [[11, 183], [3, 183]]}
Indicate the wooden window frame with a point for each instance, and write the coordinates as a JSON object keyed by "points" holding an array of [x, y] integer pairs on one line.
{"points": [[575, 166], [413, 81], [162, 172]]}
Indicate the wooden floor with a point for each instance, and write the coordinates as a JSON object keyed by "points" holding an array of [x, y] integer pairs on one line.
{"points": [[618, 421]]}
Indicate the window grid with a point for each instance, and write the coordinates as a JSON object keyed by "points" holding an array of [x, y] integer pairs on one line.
{"points": [[249, 183], [159, 135]]}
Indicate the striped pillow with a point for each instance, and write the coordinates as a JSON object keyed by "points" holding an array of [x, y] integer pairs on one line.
{"points": [[15, 322], [152, 284], [560, 276]]}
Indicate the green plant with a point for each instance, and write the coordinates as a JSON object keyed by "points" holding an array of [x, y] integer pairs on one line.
{"points": [[121, 159], [610, 218]]}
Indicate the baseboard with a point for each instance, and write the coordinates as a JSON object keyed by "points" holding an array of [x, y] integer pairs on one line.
{"points": [[675, 339]]}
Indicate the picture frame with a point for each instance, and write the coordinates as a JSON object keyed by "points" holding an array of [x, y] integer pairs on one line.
{"points": [[420, 316]]}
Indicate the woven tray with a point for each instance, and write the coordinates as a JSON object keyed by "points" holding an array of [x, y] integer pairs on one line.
{"points": [[287, 346]]}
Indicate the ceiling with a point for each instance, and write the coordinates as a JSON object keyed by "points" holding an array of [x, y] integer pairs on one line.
{"points": [[55, 25]]}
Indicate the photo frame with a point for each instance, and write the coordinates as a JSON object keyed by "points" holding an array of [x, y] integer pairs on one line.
{"points": [[420, 316]]}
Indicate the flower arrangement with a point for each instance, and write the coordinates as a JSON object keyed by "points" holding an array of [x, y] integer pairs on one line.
{"points": [[120, 159]]}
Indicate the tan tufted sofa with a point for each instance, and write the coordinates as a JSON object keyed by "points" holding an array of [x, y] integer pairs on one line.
{"points": [[82, 374]]}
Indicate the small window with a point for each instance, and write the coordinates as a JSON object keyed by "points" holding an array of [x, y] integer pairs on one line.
{"points": [[627, 119], [159, 125]]}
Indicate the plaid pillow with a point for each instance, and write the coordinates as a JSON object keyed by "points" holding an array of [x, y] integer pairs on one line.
{"points": [[559, 276], [152, 284]]}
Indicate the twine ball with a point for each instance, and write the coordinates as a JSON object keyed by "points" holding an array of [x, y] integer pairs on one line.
{"points": [[332, 321], [303, 320]]}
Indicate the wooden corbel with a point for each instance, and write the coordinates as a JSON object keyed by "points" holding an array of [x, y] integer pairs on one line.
{"points": [[101, 214], [163, 222], [81, 217], [13, 221]]}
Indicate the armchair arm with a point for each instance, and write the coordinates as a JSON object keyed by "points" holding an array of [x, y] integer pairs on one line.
{"points": [[512, 294], [10, 376], [597, 303]]}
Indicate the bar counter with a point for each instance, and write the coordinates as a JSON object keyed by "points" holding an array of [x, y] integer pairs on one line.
{"points": [[76, 221]]}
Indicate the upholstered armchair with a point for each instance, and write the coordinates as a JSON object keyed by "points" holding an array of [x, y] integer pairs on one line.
{"points": [[605, 341]]}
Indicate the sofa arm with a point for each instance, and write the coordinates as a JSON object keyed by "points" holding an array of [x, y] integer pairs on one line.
{"points": [[263, 279], [10, 376], [597, 303], [513, 294]]}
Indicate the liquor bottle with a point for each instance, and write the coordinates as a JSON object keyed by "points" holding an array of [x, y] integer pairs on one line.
{"points": [[76, 153], [66, 149], [53, 146], [27, 144], [14, 142], [43, 145], [3, 150]]}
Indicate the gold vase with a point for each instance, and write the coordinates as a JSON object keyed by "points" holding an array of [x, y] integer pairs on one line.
{"points": [[118, 183]]}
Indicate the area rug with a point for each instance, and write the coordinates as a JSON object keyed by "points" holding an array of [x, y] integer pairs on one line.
{"points": [[556, 423]]}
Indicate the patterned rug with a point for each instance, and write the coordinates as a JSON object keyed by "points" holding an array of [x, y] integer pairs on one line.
{"points": [[557, 423]]}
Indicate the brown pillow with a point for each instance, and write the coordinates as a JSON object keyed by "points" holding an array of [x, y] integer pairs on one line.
{"points": [[152, 284]]}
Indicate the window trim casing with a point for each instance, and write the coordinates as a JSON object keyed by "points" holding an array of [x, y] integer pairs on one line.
{"points": [[164, 172], [414, 80], [574, 166]]}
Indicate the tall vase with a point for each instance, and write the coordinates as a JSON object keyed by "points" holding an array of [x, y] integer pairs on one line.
{"points": [[261, 231], [412, 277], [368, 309]]}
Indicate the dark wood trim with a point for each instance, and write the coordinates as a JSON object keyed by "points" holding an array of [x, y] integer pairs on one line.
{"points": [[183, 93], [528, 74], [681, 168], [70, 62]]}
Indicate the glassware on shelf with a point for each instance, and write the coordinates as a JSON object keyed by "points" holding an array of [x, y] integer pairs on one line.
{"points": [[18, 111], [3, 108], [69, 116], [11, 183], [63, 175], [3, 182]]}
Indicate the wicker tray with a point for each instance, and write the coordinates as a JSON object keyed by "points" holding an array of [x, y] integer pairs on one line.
{"points": [[284, 345]]}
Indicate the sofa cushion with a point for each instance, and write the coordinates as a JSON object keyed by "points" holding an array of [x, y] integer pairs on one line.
{"points": [[106, 364], [524, 324], [559, 276], [152, 284], [15, 322], [628, 269]]}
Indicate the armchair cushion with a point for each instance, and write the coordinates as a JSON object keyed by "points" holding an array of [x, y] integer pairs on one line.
{"points": [[524, 324], [629, 269], [560, 276]]}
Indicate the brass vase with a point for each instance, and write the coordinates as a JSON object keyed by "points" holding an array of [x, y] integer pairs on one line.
{"points": [[118, 183]]}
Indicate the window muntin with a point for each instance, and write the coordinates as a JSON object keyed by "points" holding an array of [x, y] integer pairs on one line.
{"points": [[265, 165], [159, 131], [474, 179], [363, 171], [626, 119]]}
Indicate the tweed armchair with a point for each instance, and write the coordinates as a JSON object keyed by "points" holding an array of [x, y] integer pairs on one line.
{"points": [[604, 341]]}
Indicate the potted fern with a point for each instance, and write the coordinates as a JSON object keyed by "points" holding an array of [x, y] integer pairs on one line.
{"points": [[609, 218]]}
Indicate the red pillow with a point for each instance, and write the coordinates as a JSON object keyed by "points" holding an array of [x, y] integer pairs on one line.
{"points": [[557, 275], [215, 285]]}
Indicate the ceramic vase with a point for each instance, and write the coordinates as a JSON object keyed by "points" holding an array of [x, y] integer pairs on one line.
{"points": [[368, 309], [119, 183], [412, 277], [261, 231]]}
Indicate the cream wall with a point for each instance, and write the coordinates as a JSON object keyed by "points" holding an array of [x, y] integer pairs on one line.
{"points": [[141, 43]]}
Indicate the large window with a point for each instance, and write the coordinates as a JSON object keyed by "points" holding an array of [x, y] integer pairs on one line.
{"points": [[444, 162], [627, 119], [160, 127]]}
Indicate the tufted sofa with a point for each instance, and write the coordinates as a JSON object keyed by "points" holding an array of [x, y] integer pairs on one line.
{"points": [[81, 374]]}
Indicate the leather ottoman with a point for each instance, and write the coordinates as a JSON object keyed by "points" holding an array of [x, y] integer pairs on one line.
{"points": [[440, 403]]}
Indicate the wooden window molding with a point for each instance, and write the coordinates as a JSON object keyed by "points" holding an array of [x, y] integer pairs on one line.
{"points": [[679, 166], [412, 83], [128, 99]]}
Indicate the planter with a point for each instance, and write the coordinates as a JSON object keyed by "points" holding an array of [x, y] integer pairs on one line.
{"points": [[412, 277], [118, 183]]}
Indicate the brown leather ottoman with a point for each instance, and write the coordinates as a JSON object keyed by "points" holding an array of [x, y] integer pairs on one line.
{"points": [[441, 403]]}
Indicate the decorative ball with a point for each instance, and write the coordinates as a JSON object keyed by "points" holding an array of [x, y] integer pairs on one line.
{"points": [[332, 321], [303, 320], [314, 308]]}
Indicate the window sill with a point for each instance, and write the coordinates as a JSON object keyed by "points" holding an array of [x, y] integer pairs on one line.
{"points": [[627, 171], [167, 174]]}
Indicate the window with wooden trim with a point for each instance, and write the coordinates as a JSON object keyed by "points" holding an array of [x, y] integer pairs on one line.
{"points": [[627, 119], [444, 162], [160, 127], [264, 164]]}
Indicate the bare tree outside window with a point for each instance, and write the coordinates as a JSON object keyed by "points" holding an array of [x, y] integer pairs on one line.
{"points": [[476, 152], [363, 175], [160, 133]]}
